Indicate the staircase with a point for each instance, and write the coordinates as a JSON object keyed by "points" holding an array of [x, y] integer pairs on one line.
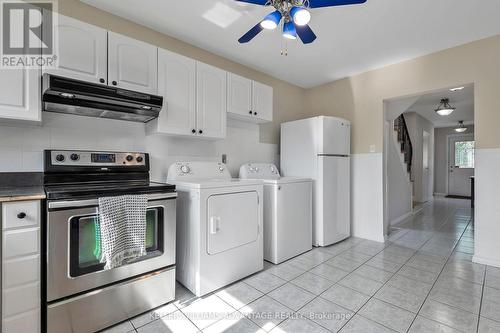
{"points": [[404, 140]]}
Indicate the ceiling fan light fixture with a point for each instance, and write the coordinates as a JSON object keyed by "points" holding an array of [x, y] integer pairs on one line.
{"points": [[271, 21], [300, 15], [445, 109], [289, 31], [461, 127]]}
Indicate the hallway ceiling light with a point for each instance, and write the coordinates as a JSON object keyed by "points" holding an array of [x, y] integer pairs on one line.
{"points": [[461, 127], [457, 89], [445, 109]]}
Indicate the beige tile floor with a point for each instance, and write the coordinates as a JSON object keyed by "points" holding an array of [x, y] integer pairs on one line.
{"points": [[422, 280]]}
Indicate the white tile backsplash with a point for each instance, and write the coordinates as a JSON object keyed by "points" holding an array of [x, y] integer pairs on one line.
{"points": [[21, 146]]}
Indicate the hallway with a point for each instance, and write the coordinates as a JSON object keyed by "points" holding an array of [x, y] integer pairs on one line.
{"points": [[421, 280]]}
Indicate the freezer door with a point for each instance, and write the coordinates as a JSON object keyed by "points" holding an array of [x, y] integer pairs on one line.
{"points": [[332, 201], [335, 136]]}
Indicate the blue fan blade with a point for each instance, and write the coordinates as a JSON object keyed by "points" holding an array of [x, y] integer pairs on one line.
{"points": [[251, 34], [305, 33], [255, 2], [331, 3]]}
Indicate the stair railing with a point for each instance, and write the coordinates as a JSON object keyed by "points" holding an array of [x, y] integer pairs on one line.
{"points": [[405, 141]]}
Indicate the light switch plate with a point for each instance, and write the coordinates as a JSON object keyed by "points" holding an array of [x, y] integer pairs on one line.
{"points": [[372, 148]]}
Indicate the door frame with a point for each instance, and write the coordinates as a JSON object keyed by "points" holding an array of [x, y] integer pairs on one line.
{"points": [[448, 138]]}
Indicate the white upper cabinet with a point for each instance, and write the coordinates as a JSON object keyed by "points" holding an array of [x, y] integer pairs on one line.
{"points": [[262, 101], [132, 64], [82, 51], [211, 101], [249, 100], [177, 85], [239, 95], [20, 94]]}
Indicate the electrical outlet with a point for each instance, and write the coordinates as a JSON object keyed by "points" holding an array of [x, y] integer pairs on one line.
{"points": [[224, 158]]}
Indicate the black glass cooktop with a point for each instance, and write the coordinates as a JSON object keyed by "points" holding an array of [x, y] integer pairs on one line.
{"points": [[96, 190]]}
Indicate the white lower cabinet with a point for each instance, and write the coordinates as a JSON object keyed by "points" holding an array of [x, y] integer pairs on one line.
{"points": [[21, 283]]}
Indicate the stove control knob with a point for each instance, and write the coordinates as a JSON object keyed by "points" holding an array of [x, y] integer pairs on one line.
{"points": [[129, 158], [139, 159], [185, 169], [74, 157], [60, 158]]}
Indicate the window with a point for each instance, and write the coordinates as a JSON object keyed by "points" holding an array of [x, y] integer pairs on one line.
{"points": [[464, 154]]}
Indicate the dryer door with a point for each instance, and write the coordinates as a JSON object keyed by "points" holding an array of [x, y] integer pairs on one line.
{"points": [[233, 221]]}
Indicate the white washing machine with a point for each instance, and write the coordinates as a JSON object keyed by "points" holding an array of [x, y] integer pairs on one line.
{"points": [[219, 226], [287, 212]]}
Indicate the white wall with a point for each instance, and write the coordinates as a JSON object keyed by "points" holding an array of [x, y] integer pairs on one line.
{"points": [[399, 188], [440, 151], [367, 201], [21, 146], [416, 126], [486, 207]]}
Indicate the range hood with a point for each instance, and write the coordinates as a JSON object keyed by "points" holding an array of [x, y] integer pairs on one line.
{"points": [[64, 95]]}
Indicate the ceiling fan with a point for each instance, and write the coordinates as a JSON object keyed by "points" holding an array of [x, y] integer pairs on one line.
{"points": [[295, 16]]}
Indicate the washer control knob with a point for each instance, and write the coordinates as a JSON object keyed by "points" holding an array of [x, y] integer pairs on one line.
{"points": [[139, 159], [60, 158], [74, 157], [185, 169], [221, 168], [129, 158]]}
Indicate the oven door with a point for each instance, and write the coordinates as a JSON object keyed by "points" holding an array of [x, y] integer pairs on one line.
{"points": [[74, 248]]}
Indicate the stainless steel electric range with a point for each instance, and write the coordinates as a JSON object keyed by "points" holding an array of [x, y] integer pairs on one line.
{"points": [[80, 295]]}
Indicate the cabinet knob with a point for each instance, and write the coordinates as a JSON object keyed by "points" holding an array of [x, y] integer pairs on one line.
{"points": [[193, 131], [102, 80], [250, 112], [21, 215], [255, 113], [200, 131], [114, 83]]}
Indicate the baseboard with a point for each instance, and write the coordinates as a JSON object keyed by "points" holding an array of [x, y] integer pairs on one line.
{"points": [[440, 194], [400, 219], [486, 261]]}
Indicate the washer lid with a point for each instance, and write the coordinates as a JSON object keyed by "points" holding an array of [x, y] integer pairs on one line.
{"points": [[217, 183], [287, 180]]}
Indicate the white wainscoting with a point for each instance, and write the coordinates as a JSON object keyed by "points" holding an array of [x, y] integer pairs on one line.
{"points": [[367, 217], [487, 207]]}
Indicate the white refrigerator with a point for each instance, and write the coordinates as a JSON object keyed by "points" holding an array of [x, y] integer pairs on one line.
{"points": [[319, 148]]}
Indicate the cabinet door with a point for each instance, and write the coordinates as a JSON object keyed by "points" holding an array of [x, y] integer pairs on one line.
{"points": [[20, 94], [239, 95], [262, 101], [177, 85], [211, 103], [133, 64], [82, 51]]}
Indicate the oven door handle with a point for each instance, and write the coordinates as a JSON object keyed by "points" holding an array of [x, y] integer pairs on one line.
{"points": [[95, 202]]}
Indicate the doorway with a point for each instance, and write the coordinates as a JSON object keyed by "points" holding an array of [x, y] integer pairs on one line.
{"points": [[460, 165], [426, 160]]}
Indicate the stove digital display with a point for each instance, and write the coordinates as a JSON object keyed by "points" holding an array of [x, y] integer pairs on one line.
{"points": [[103, 158]]}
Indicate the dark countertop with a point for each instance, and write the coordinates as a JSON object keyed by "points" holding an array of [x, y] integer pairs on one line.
{"points": [[21, 193], [20, 186]]}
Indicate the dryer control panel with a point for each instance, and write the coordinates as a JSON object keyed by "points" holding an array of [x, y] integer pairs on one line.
{"points": [[197, 170], [259, 171]]}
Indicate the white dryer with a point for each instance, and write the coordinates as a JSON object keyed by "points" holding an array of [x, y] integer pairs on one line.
{"points": [[219, 226], [287, 212]]}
